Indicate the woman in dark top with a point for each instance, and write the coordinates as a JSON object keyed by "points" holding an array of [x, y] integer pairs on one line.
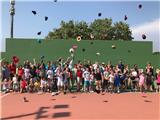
{"points": [[149, 80], [98, 77]]}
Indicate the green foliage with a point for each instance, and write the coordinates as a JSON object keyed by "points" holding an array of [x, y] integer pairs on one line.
{"points": [[102, 29]]}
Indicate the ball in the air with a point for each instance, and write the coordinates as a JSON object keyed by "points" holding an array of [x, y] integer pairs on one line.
{"points": [[71, 50], [113, 46]]}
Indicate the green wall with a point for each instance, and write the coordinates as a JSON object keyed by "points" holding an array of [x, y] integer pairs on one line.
{"points": [[140, 52]]}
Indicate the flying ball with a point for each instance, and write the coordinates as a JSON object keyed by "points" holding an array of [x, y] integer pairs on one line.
{"points": [[143, 36], [99, 14], [71, 50], [139, 6], [97, 53], [79, 38], [113, 46]]}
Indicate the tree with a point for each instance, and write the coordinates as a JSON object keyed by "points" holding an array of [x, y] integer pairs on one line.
{"points": [[82, 29], [121, 31], [101, 29]]}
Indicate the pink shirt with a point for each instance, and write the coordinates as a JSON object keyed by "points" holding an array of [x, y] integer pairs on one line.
{"points": [[141, 79], [158, 78]]}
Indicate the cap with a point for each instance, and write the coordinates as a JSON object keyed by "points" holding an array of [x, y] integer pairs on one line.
{"points": [[46, 18], [83, 49], [34, 12], [39, 33], [143, 36], [99, 14], [139, 6], [125, 17]]}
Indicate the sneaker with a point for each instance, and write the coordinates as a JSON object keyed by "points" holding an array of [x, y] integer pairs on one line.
{"points": [[91, 91]]}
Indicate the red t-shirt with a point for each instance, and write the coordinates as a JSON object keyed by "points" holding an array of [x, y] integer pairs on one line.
{"points": [[23, 84], [20, 72], [79, 73], [12, 68]]}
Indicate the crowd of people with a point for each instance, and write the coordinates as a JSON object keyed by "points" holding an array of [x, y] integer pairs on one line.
{"points": [[64, 77]]}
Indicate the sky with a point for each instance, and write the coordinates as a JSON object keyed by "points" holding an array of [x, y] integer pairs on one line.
{"points": [[26, 25]]}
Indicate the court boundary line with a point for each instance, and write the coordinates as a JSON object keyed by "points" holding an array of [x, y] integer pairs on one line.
{"points": [[4, 95]]}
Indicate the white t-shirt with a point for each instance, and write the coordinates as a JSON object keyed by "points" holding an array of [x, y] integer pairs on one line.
{"points": [[86, 76], [59, 75], [134, 73], [14, 80], [50, 74], [26, 73], [111, 78], [43, 83]]}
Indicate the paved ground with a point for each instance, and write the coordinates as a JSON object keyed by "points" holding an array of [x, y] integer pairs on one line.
{"points": [[76, 106]]}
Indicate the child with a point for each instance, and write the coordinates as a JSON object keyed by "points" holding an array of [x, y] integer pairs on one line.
{"points": [[92, 80], [106, 79], [158, 82], [5, 87], [23, 86], [43, 84], [86, 75], [60, 79], [79, 78], [31, 85], [15, 83], [117, 81], [141, 81], [134, 77], [65, 79], [98, 77], [111, 81], [149, 80], [36, 86], [20, 73], [50, 77]]}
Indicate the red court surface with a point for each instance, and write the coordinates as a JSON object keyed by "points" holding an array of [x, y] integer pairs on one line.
{"points": [[125, 106]]}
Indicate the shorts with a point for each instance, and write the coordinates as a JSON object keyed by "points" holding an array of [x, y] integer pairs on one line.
{"points": [[15, 86], [78, 79], [65, 82], [86, 83], [60, 82]]}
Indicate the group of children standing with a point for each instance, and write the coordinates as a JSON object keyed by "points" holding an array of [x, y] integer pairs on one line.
{"points": [[65, 77]]}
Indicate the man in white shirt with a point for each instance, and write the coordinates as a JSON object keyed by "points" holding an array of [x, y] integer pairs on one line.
{"points": [[50, 77], [86, 76]]}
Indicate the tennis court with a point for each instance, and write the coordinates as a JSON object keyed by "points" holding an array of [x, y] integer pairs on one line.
{"points": [[107, 106]]}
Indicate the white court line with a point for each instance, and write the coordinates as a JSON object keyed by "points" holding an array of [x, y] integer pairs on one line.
{"points": [[4, 95]]}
